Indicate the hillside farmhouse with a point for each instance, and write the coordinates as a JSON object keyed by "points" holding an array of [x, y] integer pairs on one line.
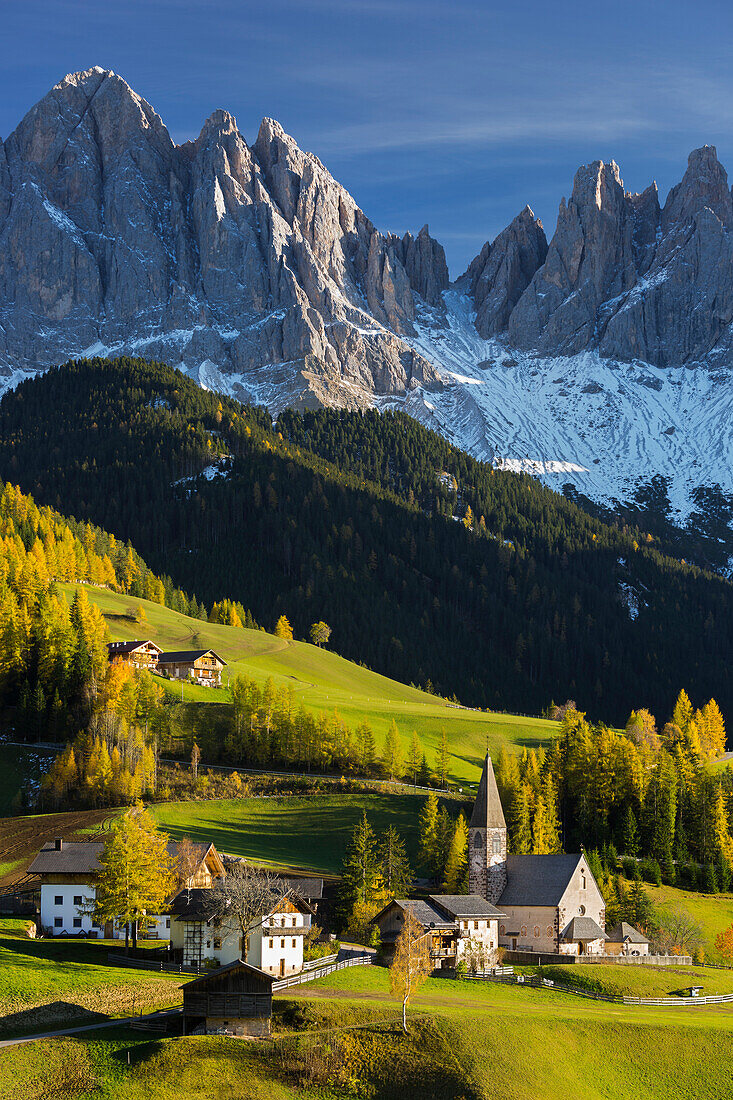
{"points": [[461, 927], [66, 873], [139, 654], [550, 903], [201, 666]]}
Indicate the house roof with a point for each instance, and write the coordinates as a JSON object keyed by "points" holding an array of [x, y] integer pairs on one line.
{"points": [[238, 964], [130, 647], [75, 857], [197, 904], [538, 880], [461, 906], [583, 928], [309, 888], [187, 656], [82, 857], [487, 811], [425, 912], [624, 931], [193, 905]]}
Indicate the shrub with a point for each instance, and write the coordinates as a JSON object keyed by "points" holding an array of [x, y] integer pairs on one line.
{"points": [[630, 866]]}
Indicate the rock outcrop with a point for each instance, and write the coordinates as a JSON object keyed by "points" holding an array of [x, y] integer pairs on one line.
{"points": [[502, 271], [631, 280], [251, 262]]}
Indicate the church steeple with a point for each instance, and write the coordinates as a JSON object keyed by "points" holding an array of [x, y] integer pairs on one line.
{"points": [[487, 839], [487, 811]]}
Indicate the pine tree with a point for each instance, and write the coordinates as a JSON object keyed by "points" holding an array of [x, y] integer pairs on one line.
{"points": [[629, 833], [283, 629], [456, 863], [136, 872], [361, 875], [442, 760], [429, 840], [520, 821], [392, 755], [414, 755], [394, 864]]}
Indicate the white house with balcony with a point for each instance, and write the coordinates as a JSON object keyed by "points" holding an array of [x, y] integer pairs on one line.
{"points": [[201, 935]]}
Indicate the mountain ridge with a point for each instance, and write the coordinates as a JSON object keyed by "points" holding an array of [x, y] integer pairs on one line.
{"points": [[255, 272]]}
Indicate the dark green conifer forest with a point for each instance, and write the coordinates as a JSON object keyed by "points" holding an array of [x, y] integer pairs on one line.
{"points": [[427, 565]]}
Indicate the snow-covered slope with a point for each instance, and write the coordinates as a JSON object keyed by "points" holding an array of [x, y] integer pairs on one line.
{"points": [[607, 428]]}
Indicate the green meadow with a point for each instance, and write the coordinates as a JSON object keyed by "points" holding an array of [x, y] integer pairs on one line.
{"points": [[339, 1038], [323, 681], [307, 834]]}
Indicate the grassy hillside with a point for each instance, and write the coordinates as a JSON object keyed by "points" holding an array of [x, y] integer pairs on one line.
{"points": [[713, 912], [49, 983], [299, 833], [339, 1038], [640, 981], [324, 681]]}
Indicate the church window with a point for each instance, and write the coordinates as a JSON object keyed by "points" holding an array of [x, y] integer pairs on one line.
{"points": [[523, 930], [583, 880], [496, 846], [477, 840], [549, 930], [536, 930], [502, 929], [581, 910]]}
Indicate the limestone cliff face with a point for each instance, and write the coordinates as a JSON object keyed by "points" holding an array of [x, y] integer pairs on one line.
{"points": [[631, 280], [503, 270], [250, 267], [251, 261]]}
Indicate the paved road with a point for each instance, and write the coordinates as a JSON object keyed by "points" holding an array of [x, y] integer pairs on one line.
{"points": [[88, 1027]]}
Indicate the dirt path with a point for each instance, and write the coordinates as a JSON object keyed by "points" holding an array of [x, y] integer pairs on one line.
{"points": [[88, 1027]]}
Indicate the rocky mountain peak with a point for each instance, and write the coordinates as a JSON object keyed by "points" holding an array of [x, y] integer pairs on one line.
{"points": [[704, 184], [502, 271]]}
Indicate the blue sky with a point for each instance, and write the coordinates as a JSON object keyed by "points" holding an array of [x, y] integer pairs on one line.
{"points": [[452, 112]]}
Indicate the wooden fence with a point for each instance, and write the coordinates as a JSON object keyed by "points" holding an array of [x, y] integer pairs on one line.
{"points": [[536, 982], [321, 972]]}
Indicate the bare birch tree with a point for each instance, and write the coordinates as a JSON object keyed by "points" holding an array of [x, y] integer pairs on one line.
{"points": [[245, 897]]}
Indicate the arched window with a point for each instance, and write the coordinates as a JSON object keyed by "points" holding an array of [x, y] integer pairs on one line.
{"points": [[581, 910], [477, 840], [496, 845]]}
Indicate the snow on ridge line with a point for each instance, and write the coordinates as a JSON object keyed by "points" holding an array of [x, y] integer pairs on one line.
{"points": [[610, 427]]}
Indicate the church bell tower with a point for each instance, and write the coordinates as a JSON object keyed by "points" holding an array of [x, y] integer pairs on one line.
{"points": [[487, 840]]}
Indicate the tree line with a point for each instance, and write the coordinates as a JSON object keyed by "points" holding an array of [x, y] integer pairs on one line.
{"points": [[644, 792]]}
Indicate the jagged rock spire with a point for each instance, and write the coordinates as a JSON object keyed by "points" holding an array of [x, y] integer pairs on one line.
{"points": [[487, 811]]}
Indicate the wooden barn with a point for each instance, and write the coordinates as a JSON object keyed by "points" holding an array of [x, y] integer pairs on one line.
{"points": [[202, 666], [236, 999], [140, 653]]}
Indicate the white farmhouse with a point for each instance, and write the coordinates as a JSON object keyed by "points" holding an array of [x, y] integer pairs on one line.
{"points": [[274, 943], [66, 871]]}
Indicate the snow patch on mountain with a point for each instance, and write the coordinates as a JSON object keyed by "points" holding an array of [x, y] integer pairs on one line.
{"points": [[604, 427]]}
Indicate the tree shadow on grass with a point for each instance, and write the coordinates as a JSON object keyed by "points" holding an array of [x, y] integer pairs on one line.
{"points": [[49, 1017]]}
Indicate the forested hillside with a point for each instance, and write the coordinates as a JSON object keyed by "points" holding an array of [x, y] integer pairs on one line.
{"points": [[428, 565]]}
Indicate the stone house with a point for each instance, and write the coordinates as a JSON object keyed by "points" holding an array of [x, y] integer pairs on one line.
{"points": [[624, 939], [460, 928], [551, 903]]}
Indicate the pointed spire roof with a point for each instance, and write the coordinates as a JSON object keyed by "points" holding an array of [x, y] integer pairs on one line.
{"points": [[487, 811]]}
